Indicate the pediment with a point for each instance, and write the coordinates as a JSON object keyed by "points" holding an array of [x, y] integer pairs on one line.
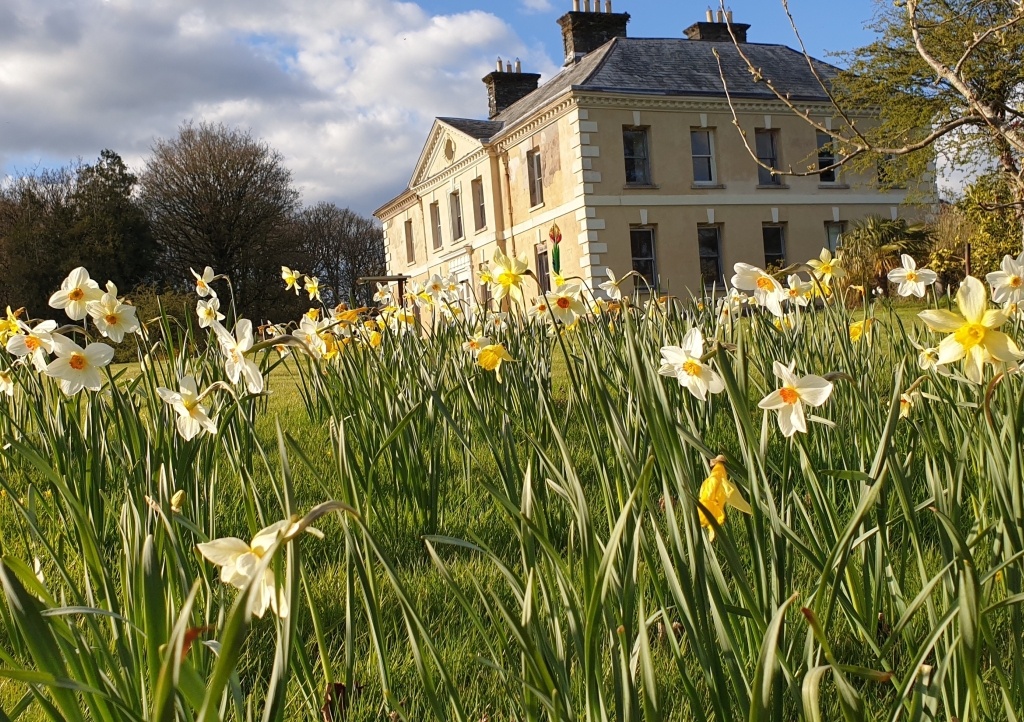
{"points": [[445, 146]]}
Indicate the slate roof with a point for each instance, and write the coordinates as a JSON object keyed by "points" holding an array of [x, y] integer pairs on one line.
{"points": [[479, 129], [677, 66]]}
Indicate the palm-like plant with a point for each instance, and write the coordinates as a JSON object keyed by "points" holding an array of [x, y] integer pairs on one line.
{"points": [[873, 246]]}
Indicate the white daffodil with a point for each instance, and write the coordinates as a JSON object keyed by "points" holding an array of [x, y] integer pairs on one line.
{"points": [[496, 322], [611, 286], [76, 291], [240, 565], [474, 344], [566, 305], [912, 281], [1008, 282], [788, 401], [236, 365], [312, 287], [797, 291], [383, 294], [436, 288], [768, 291], [291, 279], [209, 312], [35, 343], [77, 368], [826, 267], [113, 319], [540, 310], [972, 335], [309, 333], [203, 282], [192, 417], [6, 382], [684, 363], [507, 274], [452, 286]]}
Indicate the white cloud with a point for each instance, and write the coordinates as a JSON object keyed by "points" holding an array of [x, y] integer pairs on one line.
{"points": [[346, 91], [538, 6]]}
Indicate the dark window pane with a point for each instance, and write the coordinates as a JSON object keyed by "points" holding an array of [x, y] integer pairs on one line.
{"points": [[543, 274], [645, 267], [707, 241], [701, 142], [643, 243], [711, 272], [702, 170]]}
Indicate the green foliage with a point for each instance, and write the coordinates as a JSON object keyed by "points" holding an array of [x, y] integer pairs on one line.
{"points": [[997, 230], [873, 246]]}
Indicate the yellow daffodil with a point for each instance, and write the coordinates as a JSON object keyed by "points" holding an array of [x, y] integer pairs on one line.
{"points": [[716, 493], [9, 325], [312, 286], [508, 275], [490, 358], [972, 333], [6, 382], [861, 330], [826, 267], [177, 501]]}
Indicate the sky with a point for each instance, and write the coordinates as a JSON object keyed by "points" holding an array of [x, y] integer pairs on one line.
{"points": [[345, 90]]}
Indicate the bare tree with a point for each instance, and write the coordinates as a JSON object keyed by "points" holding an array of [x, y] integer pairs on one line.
{"points": [[942, 78], [341, 246], [216, 196]]}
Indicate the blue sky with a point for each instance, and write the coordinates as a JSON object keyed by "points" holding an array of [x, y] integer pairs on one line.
{"points": [[346, 90]]}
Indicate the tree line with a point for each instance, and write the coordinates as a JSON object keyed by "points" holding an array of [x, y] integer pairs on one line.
{"points": [[210, 196]]}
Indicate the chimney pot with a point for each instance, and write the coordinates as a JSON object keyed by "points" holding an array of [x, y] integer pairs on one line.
{"points": [[519, 66], [720, 16], [575, 6], [586, 6], [728, 16], [608, 6], [508, 66], [710, 16], [500, 66]]}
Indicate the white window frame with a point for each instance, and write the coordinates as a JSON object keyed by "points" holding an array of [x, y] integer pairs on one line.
{"points": [[646, 157], [710, 132], [829, 225], [435, 225], [410, 243], [535, 175], [719, 282], [653, 258], [826, 157], [764, 176], [455, 213], [782, 239], [479, 205]]}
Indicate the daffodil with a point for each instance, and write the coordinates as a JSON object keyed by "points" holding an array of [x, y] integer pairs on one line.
{"points": [[788, 401], [716, 493], [435, 286], [192, 417], [234, 348], [9, 325], [113, 319], [473, 345], [6, 382], [972, 333], [912, 281], [177, 501], [76, 291], [507, 274], [491, 357], [789, 323], [540, 310], [566, 304], [209, 312], [203, 282], [36, 343], [291, 279], [907, 403], [861, 330], [312, 287], [683, 362], [826, 267], [611, 286], [309, 333], [768, 291], [78, 368], [797, 290], [383, 294], [1008, 282], [241, 564]]}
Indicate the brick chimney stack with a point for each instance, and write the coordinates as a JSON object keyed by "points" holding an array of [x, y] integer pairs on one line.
{"points": [[585, 30], [508, 84], [716, 28]]}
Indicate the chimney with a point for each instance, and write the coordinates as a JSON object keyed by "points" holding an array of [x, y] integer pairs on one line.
{"points": [[505, 86], [584, 31], [716, 28]]}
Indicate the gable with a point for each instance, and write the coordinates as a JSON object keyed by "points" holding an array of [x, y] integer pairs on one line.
{"points": [[445, 146]]}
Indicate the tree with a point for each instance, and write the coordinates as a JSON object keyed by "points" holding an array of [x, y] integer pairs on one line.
{"points": [[873, 246], [945, 78], [986, 204], [341, 246], [78, 215], [215, 196]]}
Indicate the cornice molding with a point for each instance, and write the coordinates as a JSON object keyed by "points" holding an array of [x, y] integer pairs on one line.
{"points": [[503, 141], [454, 169], [397, 205], [701, 104]]}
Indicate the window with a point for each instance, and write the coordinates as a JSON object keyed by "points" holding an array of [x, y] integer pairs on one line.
{"points": [[455, 207], [635, 151], [834, 235], [826, 157], [642, 242], [435, 224], [774, 245], [710, 250], [410, 247], [536, 175], [702, 143], [767, 145], [479, 209], [543, 271]]}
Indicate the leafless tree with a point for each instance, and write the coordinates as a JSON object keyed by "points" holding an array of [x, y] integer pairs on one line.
{"points": [[341, 246]]}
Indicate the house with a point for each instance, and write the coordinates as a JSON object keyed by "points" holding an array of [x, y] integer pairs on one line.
{"points": [[631, 149]]}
